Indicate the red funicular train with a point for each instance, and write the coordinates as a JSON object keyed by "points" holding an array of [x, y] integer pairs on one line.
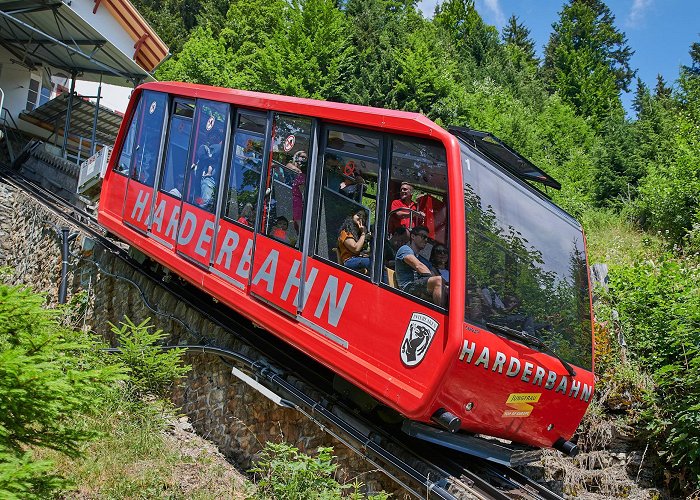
{"points": [[243, 194]]}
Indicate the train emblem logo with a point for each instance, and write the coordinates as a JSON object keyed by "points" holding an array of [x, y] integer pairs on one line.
{"points": [[419, 335]]}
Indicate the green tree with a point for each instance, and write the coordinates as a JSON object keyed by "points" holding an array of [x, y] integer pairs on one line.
{"points": [[519, 45], [424, 76], [587, 59], [670, 200], [378, 32], [49, 376], [472, 37], [310, 56], [203, 59]]}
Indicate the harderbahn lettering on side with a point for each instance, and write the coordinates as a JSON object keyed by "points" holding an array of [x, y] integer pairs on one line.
{"points": [[528, 372], [331, 301]]}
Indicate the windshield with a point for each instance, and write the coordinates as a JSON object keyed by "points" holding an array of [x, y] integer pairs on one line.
{"points": [[526, 263]]}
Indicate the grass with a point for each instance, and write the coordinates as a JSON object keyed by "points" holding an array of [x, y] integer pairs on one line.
{"points": [[612, 239], [143, 452]]}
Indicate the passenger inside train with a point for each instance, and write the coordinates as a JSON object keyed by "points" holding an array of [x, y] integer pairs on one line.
{"points": [[414, 272], [352, 241]]}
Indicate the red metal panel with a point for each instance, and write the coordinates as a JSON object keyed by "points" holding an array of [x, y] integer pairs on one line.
{"points": [[137, 205], [371, 322], [196, 234], [165, 220], [234, 252], [275, 264], [112, 194], [514, 391]]}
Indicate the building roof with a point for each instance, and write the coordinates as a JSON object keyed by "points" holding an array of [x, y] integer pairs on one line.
{"points": [[96, 39], [52, 116]]}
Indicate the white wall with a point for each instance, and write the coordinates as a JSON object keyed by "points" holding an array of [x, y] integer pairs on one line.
{"points": [[112, 97]]}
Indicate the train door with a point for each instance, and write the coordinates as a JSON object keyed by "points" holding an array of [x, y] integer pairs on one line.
{"points": [[239, 212], [196, 230], [277, 261], [145, 159], [168, 197], [342, 303]]}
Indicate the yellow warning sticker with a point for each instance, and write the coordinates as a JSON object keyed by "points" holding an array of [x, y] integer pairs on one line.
{"points": [[520, 404]]}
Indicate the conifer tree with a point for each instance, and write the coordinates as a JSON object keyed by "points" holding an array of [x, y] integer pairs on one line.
{"points": [[662, 91], [516, 35], [587, 59], [473, 38], [379, 30], [310, 56]]}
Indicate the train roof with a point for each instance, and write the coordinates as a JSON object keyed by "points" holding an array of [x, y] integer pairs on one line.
{"points": [[378, 118]]}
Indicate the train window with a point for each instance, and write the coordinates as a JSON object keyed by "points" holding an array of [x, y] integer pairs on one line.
{"points": [[124, 162], [246, 165], [526, 263], [173, 175], [416, 254], [286, 179], [147, 137], [202, 178], [348, 199]]}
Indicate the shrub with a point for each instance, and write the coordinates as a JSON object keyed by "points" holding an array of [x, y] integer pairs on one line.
{"points": [[152, 370], [659, 307], [49, 375], [286, 474]]}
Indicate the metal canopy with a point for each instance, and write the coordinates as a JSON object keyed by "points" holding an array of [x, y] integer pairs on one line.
{"points": [[51, 32], [52, 115], [498, 151]]}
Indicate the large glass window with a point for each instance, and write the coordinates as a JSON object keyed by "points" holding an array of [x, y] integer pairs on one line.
{"points": [[526, 265], [416, 252], [246, 166], [285, 191], [148, 137], [206, 155], [348, 198], [124, 162], [173, 177]]}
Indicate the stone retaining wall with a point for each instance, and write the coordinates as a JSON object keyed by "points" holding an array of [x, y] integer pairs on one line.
{"points": [[221, 408]]}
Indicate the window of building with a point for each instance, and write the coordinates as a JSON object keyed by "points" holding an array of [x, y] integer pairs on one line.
{"points": [[33, 93]]}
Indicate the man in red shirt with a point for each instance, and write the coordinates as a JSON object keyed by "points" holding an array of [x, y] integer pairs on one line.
{"points": [[404, 211]]}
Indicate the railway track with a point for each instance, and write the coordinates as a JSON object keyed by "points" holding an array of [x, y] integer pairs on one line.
{"points": [[282, 373]]}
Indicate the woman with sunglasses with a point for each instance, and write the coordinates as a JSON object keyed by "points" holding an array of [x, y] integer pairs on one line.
{"points": [[438, 258]]}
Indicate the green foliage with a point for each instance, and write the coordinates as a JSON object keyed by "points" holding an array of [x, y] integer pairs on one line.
{"points": [[309, 56], [48, 376], [659, 308], [473, 39], [587, 59], [203, 59], [152, 370], [516, 36], [286, 474]]}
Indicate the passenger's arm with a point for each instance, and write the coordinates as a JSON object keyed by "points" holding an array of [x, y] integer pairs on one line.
{"points": [[354, 245], [416, 264]]}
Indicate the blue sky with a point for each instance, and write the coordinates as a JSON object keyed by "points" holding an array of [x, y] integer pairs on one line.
{"points": [[659, 31]]}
